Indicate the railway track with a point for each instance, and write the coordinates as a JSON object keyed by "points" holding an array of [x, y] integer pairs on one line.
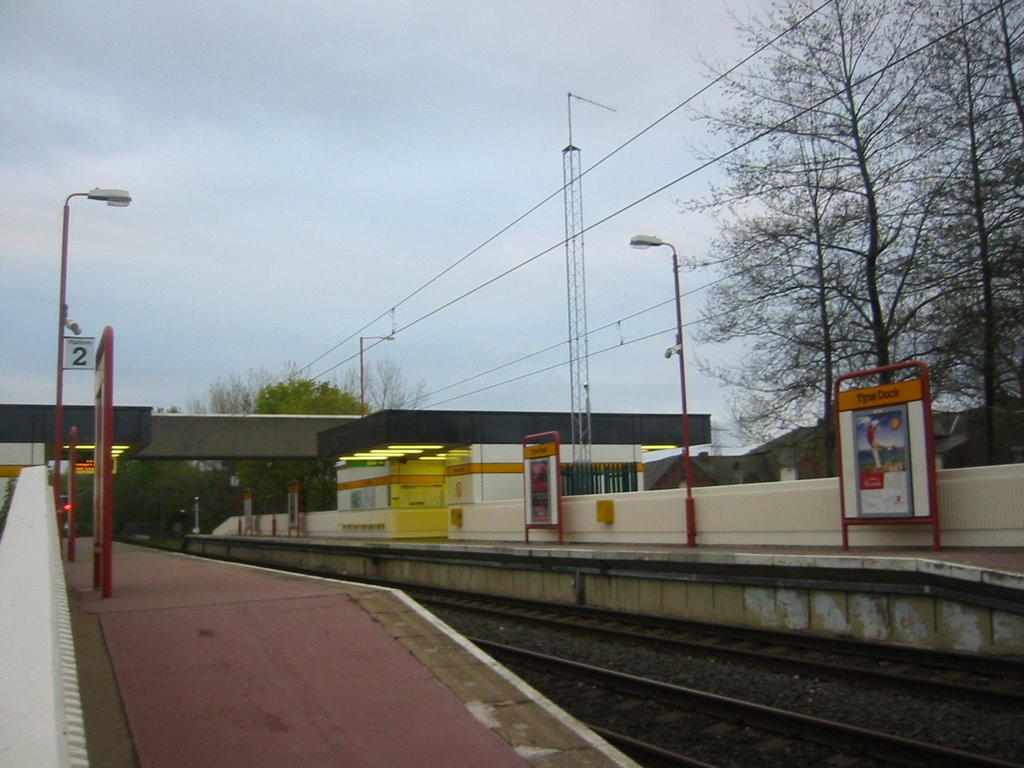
{"points": [[839, 738], [995, 683], [771, 711]]}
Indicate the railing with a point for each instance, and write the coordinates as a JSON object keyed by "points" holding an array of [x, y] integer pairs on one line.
{"points": [[599, 477], [40, 710]]}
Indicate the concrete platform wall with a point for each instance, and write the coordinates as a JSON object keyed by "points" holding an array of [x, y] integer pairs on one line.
{"points": [[918, 602]]}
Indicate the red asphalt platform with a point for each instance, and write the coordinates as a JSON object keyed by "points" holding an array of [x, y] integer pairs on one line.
{"points": [[223, 665]]}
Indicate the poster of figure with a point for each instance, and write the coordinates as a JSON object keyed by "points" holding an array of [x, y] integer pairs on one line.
{"points": [[540, 491], [883, 463]]}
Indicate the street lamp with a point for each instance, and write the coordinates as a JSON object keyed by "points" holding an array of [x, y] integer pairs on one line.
{"points": [[117, 198], [362, 370], [649, 241]]}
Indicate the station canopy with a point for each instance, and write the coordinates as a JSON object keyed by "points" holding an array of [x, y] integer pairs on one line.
{"points": [[439, 431], [141, 434]]}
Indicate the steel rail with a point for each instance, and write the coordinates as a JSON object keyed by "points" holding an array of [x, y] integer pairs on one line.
{"points": [[982, 665], [994, 697], [650, 754], [849, 738]]}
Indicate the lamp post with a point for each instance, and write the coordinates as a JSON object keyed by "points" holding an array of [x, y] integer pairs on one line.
{"points": [[362, 370], [117, 198], [649, 241]]}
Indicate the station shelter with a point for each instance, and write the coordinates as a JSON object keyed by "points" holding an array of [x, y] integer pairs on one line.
{"points": [[410, 473]]}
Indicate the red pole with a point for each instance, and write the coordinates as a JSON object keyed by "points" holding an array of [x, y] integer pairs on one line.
{"points": [[691, 513], [108, 471], [58, 411], [103, 492], [72, 494]]}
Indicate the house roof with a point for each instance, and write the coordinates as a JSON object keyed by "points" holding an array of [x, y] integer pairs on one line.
{"points": [[790, 446], [710, 470]]}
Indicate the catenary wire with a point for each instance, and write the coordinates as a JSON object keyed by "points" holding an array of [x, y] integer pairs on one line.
{"points": [[711, 161], [711, 84], [703, 166], [609, 348]]}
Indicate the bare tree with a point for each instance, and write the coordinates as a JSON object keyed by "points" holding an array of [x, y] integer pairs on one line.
{"points": [[232, 394], [821, 218], [975, 137], [385, 386]]}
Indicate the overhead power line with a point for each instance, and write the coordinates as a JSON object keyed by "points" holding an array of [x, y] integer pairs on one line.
{"points": [[529, 212], [692, 172], [622, 343]]}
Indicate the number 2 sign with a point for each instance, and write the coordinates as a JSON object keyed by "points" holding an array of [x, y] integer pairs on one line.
{"points": [[79, 353]]}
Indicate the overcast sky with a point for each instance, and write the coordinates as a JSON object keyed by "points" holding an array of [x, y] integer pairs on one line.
{"points": [[304, 172]]}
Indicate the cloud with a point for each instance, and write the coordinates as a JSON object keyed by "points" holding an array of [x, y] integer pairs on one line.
{"points": [[301, 170]]}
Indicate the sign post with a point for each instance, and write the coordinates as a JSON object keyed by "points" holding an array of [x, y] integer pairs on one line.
{"points": [[887, 451], [542, 474]]}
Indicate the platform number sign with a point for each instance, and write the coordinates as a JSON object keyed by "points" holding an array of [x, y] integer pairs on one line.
{"points": [[79, 353]]}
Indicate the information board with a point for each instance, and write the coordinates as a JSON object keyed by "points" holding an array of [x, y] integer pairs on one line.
{"points": [[542, 478], [886, 450]]}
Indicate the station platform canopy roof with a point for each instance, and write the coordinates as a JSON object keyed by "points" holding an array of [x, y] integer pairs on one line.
{"points": [[141, 434], [34, 424], [447, 429]]}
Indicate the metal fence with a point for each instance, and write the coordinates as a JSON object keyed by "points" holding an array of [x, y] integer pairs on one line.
{"points": [[602, 477]]}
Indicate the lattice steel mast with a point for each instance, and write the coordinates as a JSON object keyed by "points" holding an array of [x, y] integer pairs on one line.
{"points": [[579, 379]]}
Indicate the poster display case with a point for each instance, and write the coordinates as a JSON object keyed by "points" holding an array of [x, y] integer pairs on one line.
{"points": [[886, 453], [294, 519], [542, 475], [247, 517]]}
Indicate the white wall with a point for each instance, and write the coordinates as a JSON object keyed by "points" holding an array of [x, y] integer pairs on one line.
{"points": [[981, 506], [22, 454], [978, 507]]}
